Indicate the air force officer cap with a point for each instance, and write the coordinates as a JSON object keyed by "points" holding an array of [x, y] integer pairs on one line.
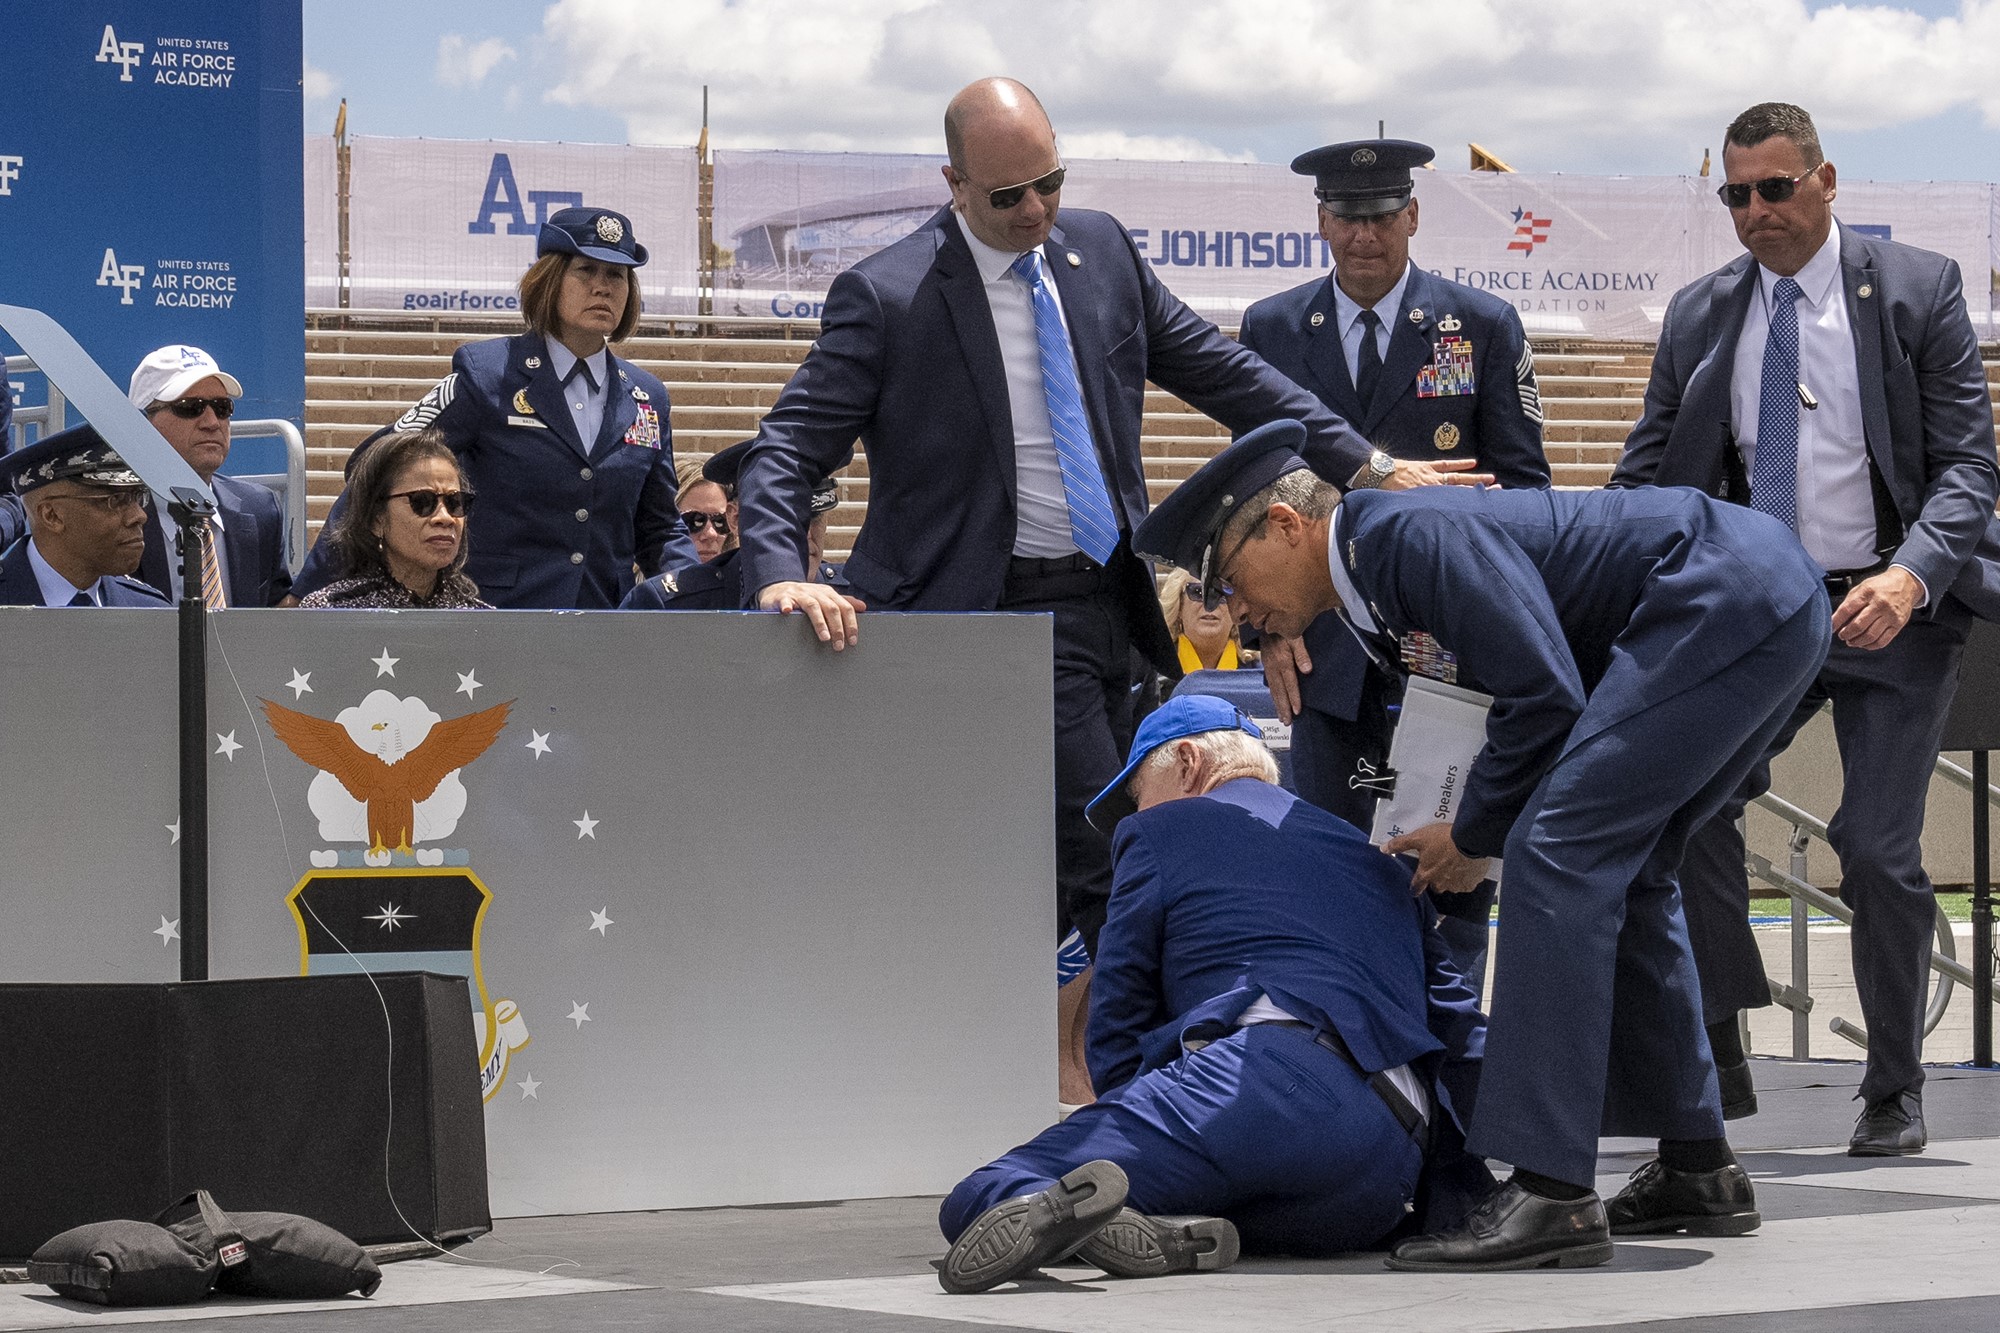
{"points": [[1184, 528], [1364, 178], [596, 232]]}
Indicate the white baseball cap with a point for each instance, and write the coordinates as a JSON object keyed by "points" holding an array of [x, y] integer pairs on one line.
{"points": [[171, 371]]}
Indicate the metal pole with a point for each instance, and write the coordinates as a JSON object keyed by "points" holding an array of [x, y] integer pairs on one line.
{"points": [[1982, 917], [194, 750], [1801, 952], [704, 213], [343, 162]]}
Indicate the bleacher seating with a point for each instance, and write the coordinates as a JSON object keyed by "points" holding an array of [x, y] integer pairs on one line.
{"points": [[364, 367]]}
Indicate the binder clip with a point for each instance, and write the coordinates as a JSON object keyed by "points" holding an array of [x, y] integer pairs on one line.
{"points": [[1368, 778]]}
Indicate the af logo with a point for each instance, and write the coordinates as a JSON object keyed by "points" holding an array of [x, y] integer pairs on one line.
{"points": [[125, 277], [10, 171], [389, 779], [125, 55], [502, 198]]}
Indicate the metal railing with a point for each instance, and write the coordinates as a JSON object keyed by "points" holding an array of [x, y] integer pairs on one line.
{"points": [[1806, 899]]}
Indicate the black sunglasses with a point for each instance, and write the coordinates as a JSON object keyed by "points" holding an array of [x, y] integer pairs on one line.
{"points": [[1772, 189], [696, 520], [424, 503], [192, 408], [1008, 196]]}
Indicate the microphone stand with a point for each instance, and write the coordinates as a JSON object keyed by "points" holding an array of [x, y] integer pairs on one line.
{"points": [[191, 512]]}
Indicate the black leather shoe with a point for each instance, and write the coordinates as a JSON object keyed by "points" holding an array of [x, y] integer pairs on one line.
{"points": [[1739, 1094], [1135, 1245], [1702, 1203], [1513, 1229], [1892, 1127], [1017, 1237]]}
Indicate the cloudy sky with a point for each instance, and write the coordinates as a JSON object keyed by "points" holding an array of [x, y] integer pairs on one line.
{"points": [[1902, 91]]}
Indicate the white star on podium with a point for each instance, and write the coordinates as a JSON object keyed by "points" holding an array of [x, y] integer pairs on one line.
{"points": [[586, 827], [385, 665]]}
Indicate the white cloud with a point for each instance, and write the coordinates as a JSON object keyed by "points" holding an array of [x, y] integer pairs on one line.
{"points": [[1569, 84], [319, 84], [465, 64]]}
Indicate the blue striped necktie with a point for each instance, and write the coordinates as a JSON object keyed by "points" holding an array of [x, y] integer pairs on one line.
{"points": [[1774, 474], [1093, 524]]}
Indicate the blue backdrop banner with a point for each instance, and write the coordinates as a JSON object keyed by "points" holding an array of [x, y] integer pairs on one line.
{"points": [[151, 188]]}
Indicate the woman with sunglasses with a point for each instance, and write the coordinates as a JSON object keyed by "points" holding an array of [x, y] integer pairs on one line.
{"points": [[567, 444], [1205, 639], [708, 512], [401, 540]]}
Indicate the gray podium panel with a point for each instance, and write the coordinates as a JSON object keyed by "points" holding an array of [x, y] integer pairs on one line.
{"points": [[743, 920]]}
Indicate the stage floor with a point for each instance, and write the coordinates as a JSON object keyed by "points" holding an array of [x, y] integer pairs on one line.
{"points": [[1846, 1245]]}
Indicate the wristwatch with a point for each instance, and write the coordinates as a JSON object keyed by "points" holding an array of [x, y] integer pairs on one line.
{"points": [[1381, 467]]}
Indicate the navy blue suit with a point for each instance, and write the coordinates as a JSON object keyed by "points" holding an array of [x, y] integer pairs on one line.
{"points": [[1642, 648], [253, 544], [1928, 427], [19, 587], [1221, 899], [908, 362], [1496, 419], [559, 522]]}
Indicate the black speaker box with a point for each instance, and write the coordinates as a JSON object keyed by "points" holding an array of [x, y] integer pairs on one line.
{"points": [[288, 1094]]}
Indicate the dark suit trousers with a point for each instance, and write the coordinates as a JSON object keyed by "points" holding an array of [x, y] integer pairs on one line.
{"points": [[1326, 750], [1093, 719], [1889, 708]]}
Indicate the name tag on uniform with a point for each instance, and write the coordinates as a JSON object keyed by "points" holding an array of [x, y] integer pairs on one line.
{"points": [[529, 422], [1449, 375]]}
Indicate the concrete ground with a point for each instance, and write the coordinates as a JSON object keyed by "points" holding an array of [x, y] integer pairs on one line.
{"points": [[1846, 1245]]}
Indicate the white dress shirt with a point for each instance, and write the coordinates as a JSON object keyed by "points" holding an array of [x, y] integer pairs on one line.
{"points": [[1836, 503], [57, 590], [1347, 317], [586, 394], [1041, 504]]}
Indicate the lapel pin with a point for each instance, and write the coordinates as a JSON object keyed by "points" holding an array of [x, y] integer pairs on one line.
{"points": [[522, 405], [639, 394], [1075, 259], [1416, 314], [1864, 291], [533, 363], [623, 376], [1450, 324], [1446, 436], [1319, 318]]}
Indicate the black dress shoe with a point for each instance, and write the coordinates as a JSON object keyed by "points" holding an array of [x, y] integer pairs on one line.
{"points": [[1513, 1229], [1739, 1094], [1892, 1127], [1017, 1237], [1702, 1203], [1135, 1245]]}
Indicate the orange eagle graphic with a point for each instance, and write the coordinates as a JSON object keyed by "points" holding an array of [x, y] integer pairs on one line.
{"points": [[389, 788]]}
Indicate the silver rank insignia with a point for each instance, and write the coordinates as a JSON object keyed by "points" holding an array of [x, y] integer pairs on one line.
{"points": [[1416, 314], [667, 582], [610, 229], [640, 394], [1363, 157], [1319, 318], [1450, 324], [623, 376], [1445, 436], [522, 405], [533, 363], [1351, 554]]}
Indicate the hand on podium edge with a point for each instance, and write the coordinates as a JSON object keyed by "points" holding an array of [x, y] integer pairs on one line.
{"points": [[834, 615]]}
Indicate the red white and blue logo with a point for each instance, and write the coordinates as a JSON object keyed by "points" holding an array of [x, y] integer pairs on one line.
{"points": [[1529, 232]]}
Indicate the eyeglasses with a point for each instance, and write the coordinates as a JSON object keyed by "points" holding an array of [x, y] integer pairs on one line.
{"points": [[696, 520], [192, 408], [1193, 592], [1772, 189], [113, 502], [1007, 196], [424, 503]]}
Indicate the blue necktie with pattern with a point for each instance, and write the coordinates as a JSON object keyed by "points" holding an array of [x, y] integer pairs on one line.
{"points": [[1774, 474], [1093, 524]]}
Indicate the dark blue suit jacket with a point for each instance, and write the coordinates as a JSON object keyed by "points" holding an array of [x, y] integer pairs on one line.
{"points": [[1537, 592], [908, 362], [544, 496], [18, 586], [1499, 422], [1244, 892], [253, 544], [1926, 415]]}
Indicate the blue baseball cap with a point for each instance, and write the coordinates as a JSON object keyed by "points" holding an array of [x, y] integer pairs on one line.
{"points": [[1183, 529], [1188, 715], [596, 232]]}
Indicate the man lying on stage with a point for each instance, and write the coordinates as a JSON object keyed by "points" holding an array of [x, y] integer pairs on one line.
{"points": [[1261, 1039], [1641, 650]]}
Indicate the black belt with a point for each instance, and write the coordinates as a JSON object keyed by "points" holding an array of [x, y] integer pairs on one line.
{"points": [[1406, 1113], [1840, 582], [1033, 578]]}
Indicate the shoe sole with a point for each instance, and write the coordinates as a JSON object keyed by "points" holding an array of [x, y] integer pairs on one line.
{"points": [[1135, 1245], [1853, 1151], [1700, 1224], [1018, 1236], [1575, 1256]]}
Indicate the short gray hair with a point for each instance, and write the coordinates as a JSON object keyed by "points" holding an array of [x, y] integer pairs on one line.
{"points": [[1232, 752], [1301, 488]]}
